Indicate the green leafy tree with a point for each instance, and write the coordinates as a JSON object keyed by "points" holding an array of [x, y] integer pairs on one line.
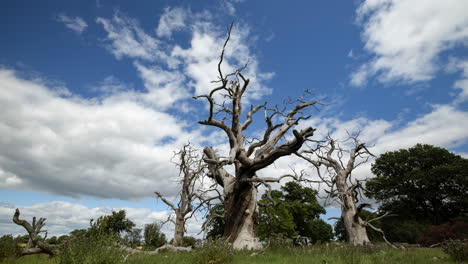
{"points": [[52, 240], [422, 182], [153, 235], [62, 239], [295, 211], [424, 185], [115, 222], [133, 238]]}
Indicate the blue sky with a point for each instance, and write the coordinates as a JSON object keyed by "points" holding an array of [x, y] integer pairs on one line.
{"points": [[96, 95]]}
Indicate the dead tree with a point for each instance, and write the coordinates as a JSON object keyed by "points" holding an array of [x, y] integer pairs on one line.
{"points": [[191, 168], [338, 177], [247, 156], [36, 244]]}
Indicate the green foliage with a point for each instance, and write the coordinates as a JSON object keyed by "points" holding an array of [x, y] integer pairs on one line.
{"points": [[116, 222], [188, 241], [8, 248], [423, 182], [215, 224], [276, 219], [403, 230], [52, 240], [133, 238], [62, 239], [214, 252], [456, 249], [424, 185], [97, 246], [153, 235], [295, 212], [319, 230]]}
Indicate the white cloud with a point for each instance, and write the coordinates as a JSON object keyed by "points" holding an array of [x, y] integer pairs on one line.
{"points": [[198, 62], [461, 84], [126, 38], [76, 24], [172, 20], [406, 38], [74, 146]]}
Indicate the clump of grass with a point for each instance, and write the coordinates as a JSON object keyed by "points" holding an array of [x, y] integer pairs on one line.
{"points": [[94, 247], [214, 252]]}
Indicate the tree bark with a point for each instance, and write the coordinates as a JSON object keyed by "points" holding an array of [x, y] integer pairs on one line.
{"points": [[354, 225], [179, 229], [241, 216]]}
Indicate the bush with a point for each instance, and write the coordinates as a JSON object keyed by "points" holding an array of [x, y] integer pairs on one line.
{"points": [[8, 247], [448, 231], [214, 252], [279, 242], [456, 249], [188, 241], [96, 247], [153, 236]]}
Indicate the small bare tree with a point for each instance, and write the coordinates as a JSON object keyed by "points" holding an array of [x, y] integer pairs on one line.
{"points": [[191, 169], [36, 244], [338, 177], [248, 156]]}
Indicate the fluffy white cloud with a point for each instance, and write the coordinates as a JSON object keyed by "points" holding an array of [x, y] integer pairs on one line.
{"points": [[173, 19], [406, 38], [198, 63], [74, 146], [76, 24], [125, 38]]}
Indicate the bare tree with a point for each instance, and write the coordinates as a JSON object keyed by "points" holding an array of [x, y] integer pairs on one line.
{"points": [[247, 156], [338, 177], [36, 244], [191, 168]]}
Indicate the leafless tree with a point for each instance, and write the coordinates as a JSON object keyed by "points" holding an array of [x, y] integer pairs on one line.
{"points": [[248, 156], [191, 169], [345, 190], [36, 244]]}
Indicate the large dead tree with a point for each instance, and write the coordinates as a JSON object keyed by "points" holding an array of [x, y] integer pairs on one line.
{"points": [[191, 168], [36, 244], [247, 156], [337, 175]]}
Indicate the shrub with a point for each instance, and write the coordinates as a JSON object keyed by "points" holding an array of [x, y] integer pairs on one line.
{"points": [[448, 231], [214, 252], [153, 236], [8, 247], [96, 247], [456, 249], [188, 241]]}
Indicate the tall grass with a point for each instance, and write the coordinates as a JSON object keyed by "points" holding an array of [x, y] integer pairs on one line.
{"points": [[323, 254]]}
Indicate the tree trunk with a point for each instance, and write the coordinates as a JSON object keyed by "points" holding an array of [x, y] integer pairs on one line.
{"points": [[354, 225], [241, 215], [179, 229]]}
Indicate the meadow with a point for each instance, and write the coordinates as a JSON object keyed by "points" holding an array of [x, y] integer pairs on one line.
{"points": [[311, 255]]}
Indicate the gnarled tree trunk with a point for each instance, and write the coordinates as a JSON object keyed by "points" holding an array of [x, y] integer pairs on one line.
{"points": [[241, 216], [354, 225], [179, 229]]}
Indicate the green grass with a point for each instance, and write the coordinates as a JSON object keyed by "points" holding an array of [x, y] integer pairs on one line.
{"points": [[310, 255]]}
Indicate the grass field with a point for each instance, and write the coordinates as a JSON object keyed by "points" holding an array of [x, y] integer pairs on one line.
{"points": [[311, 255]]}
